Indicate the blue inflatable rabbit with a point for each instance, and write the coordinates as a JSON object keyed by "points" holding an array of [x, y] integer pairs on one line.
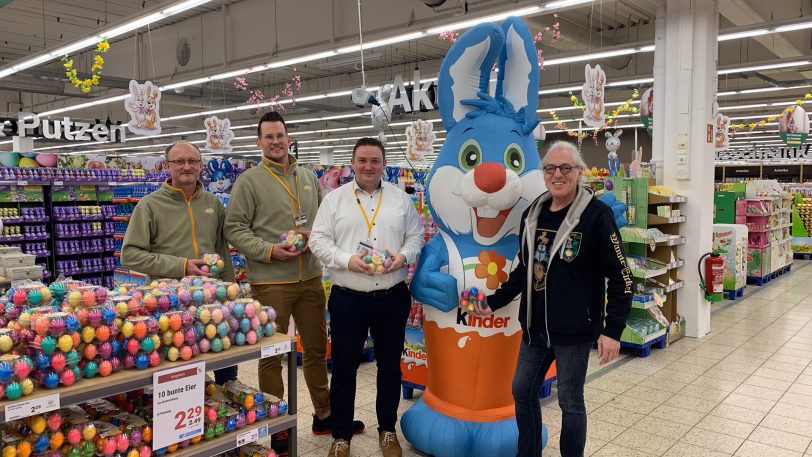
{"points": [[220, 175], [485, 176]]}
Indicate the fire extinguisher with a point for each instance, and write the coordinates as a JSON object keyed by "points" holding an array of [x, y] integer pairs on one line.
{"points": [[713, 281]]}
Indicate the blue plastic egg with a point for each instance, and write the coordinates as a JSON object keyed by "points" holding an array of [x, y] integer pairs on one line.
{"points": [[259, 397], [197, 296], [268, 330], [91, 369], [222, 329], [239, 339], [238, 310], [245, 325], [43, 362], [109, 315], [41, 443], [283, 407], [116, 346], [141, 361], [71, 323], [77, 373], [260, 413], [50, 380], [474, 291], [231, 424], [6, 371]]}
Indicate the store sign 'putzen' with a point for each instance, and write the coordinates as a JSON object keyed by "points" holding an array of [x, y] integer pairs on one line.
{"points": [[31, 125], [769, 154]]}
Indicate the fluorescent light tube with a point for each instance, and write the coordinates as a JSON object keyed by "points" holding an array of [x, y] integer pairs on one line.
{"points": [[747, 34], [764, 67]]}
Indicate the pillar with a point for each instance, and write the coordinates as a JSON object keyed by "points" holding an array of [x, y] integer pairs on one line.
{"points": [[326, 156], [688, 87]]}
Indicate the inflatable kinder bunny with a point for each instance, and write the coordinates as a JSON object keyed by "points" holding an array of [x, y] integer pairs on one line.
{"points": [[143, 105], [382, 113], [592, 94], [220, 175], [613, 144], [485, 176]]}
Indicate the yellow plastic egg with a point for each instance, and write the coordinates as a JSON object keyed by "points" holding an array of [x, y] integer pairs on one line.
{"points": [[163, 323], [37, 424], [226, 342], [127, 330], [88, 333], [156, 341], [46, 294], [89, 432], [172, 354], [232, 291], [9, 451], [27, 386], [220, 264], [122, 309], [204, 316], [65, 343], [133, 453], [167, 338], [211, 331], [75, 298]]}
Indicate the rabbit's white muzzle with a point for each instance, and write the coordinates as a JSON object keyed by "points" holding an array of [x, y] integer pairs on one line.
{"points": [[492, 191]]}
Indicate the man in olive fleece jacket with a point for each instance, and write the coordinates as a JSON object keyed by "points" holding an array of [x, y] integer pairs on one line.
{"points": [[272, 198], [171, 228]]}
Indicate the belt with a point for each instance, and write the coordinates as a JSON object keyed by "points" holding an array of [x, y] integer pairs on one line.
{"points": [[371, 293]]}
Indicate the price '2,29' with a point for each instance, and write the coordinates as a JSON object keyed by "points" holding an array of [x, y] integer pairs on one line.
{"points": [[189, 417]]}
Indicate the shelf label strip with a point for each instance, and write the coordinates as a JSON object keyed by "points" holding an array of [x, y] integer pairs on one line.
{"points": [[271, 350], [252, 436], [32, 407]]}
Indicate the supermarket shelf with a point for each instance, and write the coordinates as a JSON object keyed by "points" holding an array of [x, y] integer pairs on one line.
{"points": [[654, 219], [657, 199], [675, 286], [228, 441], [644, 305], [127, 380], [645, 274], [676, 241], [676, 264]]}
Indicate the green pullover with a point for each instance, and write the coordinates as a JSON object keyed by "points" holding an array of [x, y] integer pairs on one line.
{"points": [[261, 208], [166, 230]]}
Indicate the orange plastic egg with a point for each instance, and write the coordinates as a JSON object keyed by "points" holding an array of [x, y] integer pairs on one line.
{"points": [[175, 322], [177, 339], [140, 329], [103, 333], [88, 298]]}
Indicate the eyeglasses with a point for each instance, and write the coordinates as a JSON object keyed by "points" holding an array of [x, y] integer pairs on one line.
{"points": [[565, 169], [183, 162], [278, 138]]}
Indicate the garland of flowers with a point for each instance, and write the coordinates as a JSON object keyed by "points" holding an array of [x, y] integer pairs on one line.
{"points": [[556, 28], [95, 70], [256, 97], [449, 35], [763, 122]]}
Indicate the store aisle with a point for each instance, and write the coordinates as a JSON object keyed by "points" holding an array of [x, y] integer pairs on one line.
{"points": [[745, 389]]}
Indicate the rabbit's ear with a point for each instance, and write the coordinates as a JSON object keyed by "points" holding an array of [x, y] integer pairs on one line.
{"points": [[608, 134], [212, 165], [618, 132], [227, 166], [588, 73], [466, 69], [134, 88], [518, 79]]}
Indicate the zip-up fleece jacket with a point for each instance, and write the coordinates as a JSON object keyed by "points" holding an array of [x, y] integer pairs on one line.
{"points": [[575, 283], [166, 229], [260, 209]]}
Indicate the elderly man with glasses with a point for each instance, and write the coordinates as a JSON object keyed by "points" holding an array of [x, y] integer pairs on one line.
{"points": [[171, 228]]}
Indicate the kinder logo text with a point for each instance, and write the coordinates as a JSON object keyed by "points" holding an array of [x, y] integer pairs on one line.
{"points": [[492, 321], [415, 355]]}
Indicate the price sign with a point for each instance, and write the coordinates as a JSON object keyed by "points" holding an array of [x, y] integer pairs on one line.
{"points": [[270, 350], [32, 407], [177, 405], [252, 435], [59, 183], [22, 183]]}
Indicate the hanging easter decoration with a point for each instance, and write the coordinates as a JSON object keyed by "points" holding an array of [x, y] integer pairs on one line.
{"points": [[592, 95], [419, 141], [382, 113], [647, 110], [218, 135], [793, 125], [143, 104], [721, 133]]}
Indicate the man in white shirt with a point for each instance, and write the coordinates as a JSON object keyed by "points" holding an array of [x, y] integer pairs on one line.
{"points": [[366, 213]]}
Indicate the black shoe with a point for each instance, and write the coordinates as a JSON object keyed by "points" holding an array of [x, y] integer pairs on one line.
{"points": [[325, 426], [279, 443]]}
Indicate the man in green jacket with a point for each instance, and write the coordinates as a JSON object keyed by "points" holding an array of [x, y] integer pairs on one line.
{"points": [[171, 228], [273, 198]]}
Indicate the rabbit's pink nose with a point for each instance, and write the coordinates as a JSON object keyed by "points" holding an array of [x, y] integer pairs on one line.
{"points": [[490, 177]]}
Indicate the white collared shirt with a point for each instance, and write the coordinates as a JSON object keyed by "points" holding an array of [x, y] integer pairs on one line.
{"points": [[339, 227]]}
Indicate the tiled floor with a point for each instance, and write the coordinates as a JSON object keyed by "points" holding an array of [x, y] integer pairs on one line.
{"points": [[744, 390]]}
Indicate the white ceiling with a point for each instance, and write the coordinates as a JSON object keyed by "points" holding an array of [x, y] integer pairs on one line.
{"points": [[227, 35]]}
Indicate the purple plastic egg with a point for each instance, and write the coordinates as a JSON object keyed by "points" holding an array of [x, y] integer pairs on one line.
{"points": [[205, 346]]}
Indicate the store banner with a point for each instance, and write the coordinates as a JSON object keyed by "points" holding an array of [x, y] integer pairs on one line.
{"points": [[793, 125], [647, 110], [143, 104], [765, 154]]}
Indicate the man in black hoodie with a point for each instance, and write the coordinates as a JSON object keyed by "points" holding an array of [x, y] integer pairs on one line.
{"points": [[569, 247]]}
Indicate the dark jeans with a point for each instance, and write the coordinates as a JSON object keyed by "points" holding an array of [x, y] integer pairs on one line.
{"points": [[352, 317], [534, 362], [224, 375]]}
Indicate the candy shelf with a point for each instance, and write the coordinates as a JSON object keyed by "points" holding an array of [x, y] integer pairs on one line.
{"points": [[127, 380]]}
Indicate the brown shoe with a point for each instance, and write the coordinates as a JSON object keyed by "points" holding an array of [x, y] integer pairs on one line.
{"points": [[389, 444], [339, 448]]}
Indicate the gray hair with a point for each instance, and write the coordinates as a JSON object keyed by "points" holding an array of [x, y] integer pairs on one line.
{"points": [[577, 157], [177, 143]]}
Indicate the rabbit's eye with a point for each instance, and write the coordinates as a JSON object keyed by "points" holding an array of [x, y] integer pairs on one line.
{"points": [[470, 154], [514, 158]]}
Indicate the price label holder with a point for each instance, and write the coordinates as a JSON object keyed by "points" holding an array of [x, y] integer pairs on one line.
{"points": [[177, 405], [59, 183], [252, 436], [22, 183], [274, 349], [32, 407]]}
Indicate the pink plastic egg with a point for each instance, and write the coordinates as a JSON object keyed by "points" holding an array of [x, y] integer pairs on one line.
{"points": [[250, 337], [74, 436], [204, 345]]}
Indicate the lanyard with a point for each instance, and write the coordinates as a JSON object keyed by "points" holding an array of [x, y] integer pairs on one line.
{"points": [[370, 223], [287, 189]]}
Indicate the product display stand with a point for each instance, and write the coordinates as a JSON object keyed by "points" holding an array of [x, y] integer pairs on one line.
{"points": [[769, 241], [128, 380], [651, 241]]}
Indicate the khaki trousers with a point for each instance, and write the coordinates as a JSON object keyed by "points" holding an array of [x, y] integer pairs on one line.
{"points": [[307, 303]]}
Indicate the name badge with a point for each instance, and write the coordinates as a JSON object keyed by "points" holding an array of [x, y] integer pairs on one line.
{"points": [[300, 220]]}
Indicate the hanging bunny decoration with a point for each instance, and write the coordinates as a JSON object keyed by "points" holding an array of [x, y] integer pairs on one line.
{"points": [[592, 95], [612, 145], [218, 135], [143, 105], [382, 113]]}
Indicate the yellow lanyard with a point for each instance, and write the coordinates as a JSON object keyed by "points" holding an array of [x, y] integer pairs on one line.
{"points": [[287, 189], [370, 223]]}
